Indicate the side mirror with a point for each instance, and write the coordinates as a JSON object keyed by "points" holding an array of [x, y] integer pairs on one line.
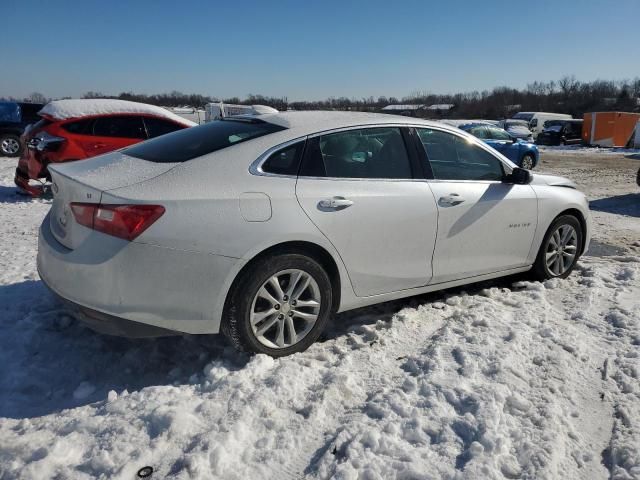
{"points": [[519, 176], [514, 139]]}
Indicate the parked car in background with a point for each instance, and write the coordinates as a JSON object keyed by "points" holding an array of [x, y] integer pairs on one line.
{"points": [[70, 130], [522, 153], [263, 228], [561, 132], [517, 128], [14, 117], [536, 120]]}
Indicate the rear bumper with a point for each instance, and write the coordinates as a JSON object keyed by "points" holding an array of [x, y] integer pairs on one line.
{"points": [[124, 288], [109, 324]]}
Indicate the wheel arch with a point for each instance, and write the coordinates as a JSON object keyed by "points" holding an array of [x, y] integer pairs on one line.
{"points": [[303, 247], [574, 212]]}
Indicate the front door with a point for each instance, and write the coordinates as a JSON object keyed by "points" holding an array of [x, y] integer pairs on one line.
{"points": [[357, 187], [484, 225]]}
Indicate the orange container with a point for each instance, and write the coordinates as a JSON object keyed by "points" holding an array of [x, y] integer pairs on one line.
{"points": [[609, 129]]}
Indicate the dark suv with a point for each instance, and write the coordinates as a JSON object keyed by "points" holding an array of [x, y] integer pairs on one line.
{"points": [[560, 132], [14, 117]]}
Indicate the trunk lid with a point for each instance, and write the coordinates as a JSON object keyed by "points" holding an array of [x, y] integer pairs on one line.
{"points": [[84, 182]]}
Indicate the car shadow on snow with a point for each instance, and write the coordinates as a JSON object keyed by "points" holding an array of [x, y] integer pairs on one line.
{"points": [[12, 195], [52, 362], [628, 204]]}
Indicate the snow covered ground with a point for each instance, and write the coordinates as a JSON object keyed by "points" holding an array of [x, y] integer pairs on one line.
{"points": [[506, 379]]}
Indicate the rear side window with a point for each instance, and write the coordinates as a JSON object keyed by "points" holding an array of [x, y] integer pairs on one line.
{"points": [[285, 161], [79, 127], [128, 126], [158, 126], [498, 134], [362, 153], [454, 158], [479, 131], [194, 142], [9, 112]]}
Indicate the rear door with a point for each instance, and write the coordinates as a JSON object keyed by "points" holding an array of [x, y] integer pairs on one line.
{"points": [[357, 186], [484, 224]]}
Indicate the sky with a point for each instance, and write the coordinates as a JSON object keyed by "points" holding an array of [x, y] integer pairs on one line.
{"points": [[310, 50]]}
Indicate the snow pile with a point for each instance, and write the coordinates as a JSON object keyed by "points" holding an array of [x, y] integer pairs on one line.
{"points": [[580, 150], [66, 109], [510, 379]]}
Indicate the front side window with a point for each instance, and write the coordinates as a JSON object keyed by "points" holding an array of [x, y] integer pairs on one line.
{"points": [[498, 134], [455, 158], [128, 126], [194, 142], [364, 153]]}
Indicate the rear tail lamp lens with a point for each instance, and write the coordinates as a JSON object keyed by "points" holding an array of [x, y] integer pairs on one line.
{"points": [[123, 221]]}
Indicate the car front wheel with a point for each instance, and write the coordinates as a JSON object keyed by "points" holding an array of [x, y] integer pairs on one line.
{"points": [[560, 249], [527, 161], [279, 306], [10, 145]]}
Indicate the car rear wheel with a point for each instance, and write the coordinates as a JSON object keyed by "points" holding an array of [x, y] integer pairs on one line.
{"points": [[527, 161], [10, 146], [638, 177], [279, 306], [560, 249]]}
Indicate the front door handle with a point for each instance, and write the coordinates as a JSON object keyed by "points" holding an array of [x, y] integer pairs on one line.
{"points": [[335, 203], [451, 200]]}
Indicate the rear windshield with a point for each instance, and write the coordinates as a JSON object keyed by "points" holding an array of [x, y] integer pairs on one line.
{"points": [[194, 142]]}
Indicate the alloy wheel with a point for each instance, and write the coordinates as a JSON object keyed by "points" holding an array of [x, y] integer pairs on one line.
{"points": [[285, 308], [10, 146], [561, 250], [527, 162]]}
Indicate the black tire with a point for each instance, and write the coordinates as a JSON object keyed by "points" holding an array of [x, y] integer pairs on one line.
{"points": [[10, 145], [540, 270], [236, 325], [638, 177], [528, 159]]}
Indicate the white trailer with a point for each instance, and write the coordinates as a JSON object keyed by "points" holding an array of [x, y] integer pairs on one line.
{"points": [[215, 111]]}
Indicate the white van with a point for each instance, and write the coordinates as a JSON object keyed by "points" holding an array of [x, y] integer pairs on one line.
{"points": [[536, 119]]}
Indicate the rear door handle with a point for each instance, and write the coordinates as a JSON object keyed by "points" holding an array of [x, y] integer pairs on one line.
{"points": [[335, 203], [451, 200]]}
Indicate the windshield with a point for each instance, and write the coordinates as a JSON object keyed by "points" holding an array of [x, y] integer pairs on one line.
{"points": [[194, 142], [9, 112]]}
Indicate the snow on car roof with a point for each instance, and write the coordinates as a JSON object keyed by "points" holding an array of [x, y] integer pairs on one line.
{"points": [[308, 122], [66, 109]]}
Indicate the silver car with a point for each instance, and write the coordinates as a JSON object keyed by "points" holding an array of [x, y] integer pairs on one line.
{"points": [[263, 227]]}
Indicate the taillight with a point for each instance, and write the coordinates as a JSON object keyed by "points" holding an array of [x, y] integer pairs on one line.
{"points": [[123, 221]]}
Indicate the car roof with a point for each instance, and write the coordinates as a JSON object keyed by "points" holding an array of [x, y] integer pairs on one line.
{"points": [[302, 123], [77, 108]]}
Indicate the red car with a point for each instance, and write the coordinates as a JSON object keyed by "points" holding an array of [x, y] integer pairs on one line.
{"points": [[77, 129]]}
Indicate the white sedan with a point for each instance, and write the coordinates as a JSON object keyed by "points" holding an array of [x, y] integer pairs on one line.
{"points": [[263, 227]]}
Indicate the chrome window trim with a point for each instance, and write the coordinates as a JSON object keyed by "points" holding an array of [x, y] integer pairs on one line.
{"points": [[506, 163], [256, 166]]}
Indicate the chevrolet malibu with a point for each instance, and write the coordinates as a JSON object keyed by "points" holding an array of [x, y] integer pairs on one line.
{"points": [[263, 227]]}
